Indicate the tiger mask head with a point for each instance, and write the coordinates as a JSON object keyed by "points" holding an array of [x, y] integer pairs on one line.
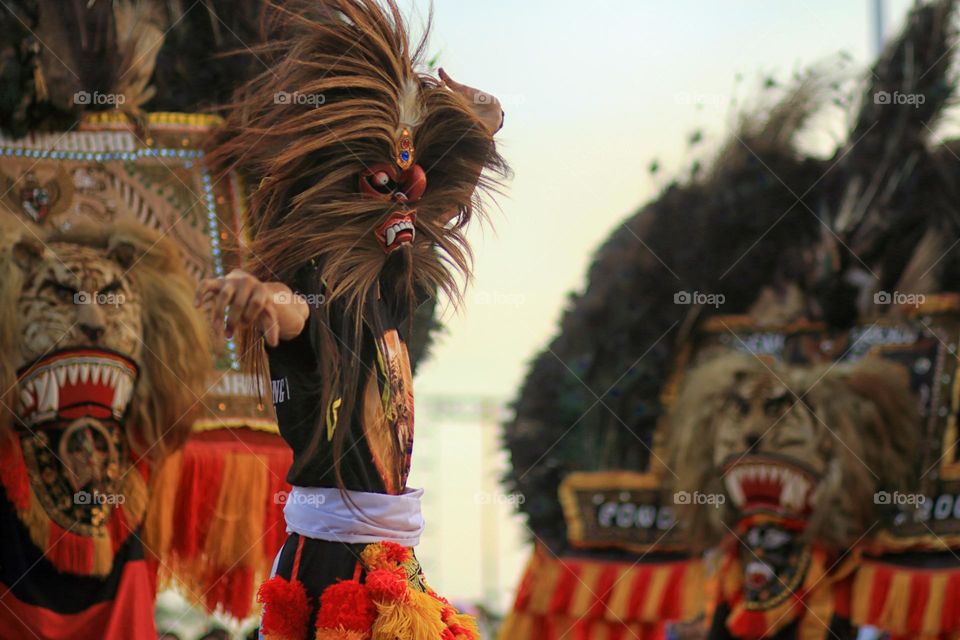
{"points": [[808, 445], [119, 288]]}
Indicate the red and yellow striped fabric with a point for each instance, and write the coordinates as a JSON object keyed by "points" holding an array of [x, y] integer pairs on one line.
{"points": [[585, 598], [907, 602]]}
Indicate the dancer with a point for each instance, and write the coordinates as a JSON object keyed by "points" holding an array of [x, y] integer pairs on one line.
{"points": [[365, 174]]}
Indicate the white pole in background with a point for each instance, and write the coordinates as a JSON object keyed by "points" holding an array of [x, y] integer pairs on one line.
{"points": [[879, 26]]}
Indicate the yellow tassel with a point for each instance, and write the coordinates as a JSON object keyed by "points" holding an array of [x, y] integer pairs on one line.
{"points": [[236, 531], [894, 614], [102, 555], [467, 622], [158, 525], [418, 619]]}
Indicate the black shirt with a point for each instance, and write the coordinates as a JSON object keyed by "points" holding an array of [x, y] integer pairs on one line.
{"points": [[378, 445]]}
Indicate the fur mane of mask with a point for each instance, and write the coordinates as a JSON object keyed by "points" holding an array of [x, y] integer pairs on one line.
{"points": [[853, 426], [340, 85]]}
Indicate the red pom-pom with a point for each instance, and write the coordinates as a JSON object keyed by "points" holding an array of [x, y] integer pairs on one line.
{"points": [[397, 552], [346, 605], [387, 586], [286, 612]]}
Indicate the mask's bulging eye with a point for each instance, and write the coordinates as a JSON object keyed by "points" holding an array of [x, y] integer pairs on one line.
{"points": [[377, 183], [382, 182], [385, 182]]}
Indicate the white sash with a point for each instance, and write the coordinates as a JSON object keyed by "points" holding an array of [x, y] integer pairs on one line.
{"points": [[323, 513]]}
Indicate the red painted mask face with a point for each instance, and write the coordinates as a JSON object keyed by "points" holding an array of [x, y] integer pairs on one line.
{"points": [[389, 183]]}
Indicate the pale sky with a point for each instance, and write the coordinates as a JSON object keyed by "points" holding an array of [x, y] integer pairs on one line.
{"points": [[593, 92]]}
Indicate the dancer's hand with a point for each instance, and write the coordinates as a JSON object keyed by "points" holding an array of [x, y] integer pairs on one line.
{"points": [[485, 105], [270, 306]]}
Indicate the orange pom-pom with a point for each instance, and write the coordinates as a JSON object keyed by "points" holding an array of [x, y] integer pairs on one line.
{"points": [[286, 611], [387, 586], [385, 555], [374, 556], [346, 605]]}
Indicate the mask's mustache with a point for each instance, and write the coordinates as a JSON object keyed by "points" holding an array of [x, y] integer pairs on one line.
{"points": [[396, 277]]}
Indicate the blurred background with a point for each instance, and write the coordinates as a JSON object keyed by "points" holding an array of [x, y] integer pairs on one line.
{"points": [[605, 103]]}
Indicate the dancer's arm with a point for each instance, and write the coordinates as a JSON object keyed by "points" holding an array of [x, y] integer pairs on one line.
{"points": [[270, 306]]}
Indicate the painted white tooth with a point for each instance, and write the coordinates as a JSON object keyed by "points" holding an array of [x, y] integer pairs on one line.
{"points": [[40, 388], [114, 374], [734, 489], [84, 372], [49, 401], [788, 476], [786, 496], [95, 373], [120, 395], [73, 372], [391, 236], [26, 399], [797, 499], [61, 373], [793, 498]]}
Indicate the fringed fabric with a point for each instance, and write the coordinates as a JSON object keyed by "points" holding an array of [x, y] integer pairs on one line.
{"points": [[907, 602], [583, 598], [225, 491]]}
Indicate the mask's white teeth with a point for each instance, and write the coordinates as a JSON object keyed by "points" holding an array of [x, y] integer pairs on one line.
{"points": [[84, 372], [40, 387], [122, 392], [73, 373], [48, 392], [114, 373], [793, 495], [732, 482], [26, 398], [391, 236], [95, 373], [61, 374]]}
